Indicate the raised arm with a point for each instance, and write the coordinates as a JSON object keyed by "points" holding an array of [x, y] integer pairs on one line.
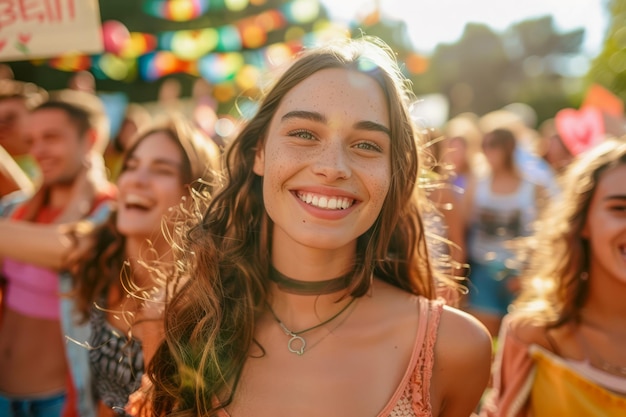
{"points": [[45, 245], [54, 246], [57, 245]]}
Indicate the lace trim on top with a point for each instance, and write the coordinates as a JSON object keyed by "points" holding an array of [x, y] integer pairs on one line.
{"points": [[412, 397], [413, 394]]}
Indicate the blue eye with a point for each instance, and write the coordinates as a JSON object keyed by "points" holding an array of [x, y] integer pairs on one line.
{"points": [[369, 146], [304, 134]]}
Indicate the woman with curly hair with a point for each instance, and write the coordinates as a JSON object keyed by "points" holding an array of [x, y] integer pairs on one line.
{"points": [[121, 286], [561, 350], [119, 282], [311, 290]]}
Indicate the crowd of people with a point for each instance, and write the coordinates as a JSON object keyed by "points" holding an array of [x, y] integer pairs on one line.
{"points": [[332, 257]]}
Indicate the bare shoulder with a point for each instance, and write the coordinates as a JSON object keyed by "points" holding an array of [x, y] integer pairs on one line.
{"points": [[458, 328], [462, 368]]}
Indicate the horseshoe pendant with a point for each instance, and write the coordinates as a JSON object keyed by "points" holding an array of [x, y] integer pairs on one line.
{"points": [[293, 339]]}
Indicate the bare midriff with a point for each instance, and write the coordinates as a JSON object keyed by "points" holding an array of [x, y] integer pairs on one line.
{"points": [[32, 355]]}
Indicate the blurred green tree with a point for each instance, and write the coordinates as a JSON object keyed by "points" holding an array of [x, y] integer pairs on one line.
{"points": [[609, 67], [485, 71]]}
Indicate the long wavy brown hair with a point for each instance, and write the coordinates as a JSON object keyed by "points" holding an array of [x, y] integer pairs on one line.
{"points": [[105, 264], [554, 287], [209, 324]]}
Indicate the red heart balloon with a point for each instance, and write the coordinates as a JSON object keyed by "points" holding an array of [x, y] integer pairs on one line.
{"points": [[580, 129]]}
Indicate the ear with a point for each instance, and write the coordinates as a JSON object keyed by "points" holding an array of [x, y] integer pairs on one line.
{"points": [[91, 136], [259, 159]]}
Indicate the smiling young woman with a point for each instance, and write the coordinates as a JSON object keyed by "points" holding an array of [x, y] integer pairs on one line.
{"points": [[118, 263], [312, 291], [567, 334], [118, 285]]}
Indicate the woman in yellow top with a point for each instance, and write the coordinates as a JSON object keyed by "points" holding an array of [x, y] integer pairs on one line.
{"points": [[310, 290], [562, 349]]}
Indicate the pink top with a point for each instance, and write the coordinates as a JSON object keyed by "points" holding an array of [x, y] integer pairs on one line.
{"points": [[31, 290], [412, 396]]}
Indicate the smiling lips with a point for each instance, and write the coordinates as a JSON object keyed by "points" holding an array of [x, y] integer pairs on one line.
{"points": [[136, 201], [326, 202]]}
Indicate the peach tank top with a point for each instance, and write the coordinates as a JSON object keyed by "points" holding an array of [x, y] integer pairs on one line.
{"points": [[412, 396]]}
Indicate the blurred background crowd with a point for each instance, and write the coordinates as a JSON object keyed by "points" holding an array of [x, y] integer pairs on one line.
{"points": [[502, 114]]}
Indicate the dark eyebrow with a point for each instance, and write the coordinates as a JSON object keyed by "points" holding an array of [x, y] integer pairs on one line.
{"points": [[318, 117], [303, 114], [368, 125]]}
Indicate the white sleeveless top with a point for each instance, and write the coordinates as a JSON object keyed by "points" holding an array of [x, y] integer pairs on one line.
{"points": [[498, 218]]}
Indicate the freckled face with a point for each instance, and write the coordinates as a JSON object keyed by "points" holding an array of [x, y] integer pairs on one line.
{"points": [[606, 226], [325, 161]]}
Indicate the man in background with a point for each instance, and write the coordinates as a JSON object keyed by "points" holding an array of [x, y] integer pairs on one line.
{"points": [[42, 368]]}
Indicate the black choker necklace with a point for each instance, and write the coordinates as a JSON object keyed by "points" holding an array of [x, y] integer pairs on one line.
{"points": [[295, 286]]}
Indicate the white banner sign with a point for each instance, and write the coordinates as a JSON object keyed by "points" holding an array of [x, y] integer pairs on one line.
{"points": [[31, 29]]}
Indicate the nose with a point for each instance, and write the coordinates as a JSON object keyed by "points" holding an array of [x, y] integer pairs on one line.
{"points": [[333, 162], [37, 149], [137, 177]]}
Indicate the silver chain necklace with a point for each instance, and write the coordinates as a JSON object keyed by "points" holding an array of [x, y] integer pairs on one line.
{"points": [[296, 343]]}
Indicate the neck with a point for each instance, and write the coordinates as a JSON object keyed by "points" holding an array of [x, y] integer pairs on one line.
{"points": [[57, 195], [611, 308], [142, 250], [503, 172], [309, 263], [603, 306], [299, 287], [149, 248]]}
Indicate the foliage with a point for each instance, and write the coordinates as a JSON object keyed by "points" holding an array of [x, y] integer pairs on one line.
{"points": [[485, 71], [609, 67]]}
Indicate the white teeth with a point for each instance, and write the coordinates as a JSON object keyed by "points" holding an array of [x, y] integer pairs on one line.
{"points": [[136, 200], [331, 203]]}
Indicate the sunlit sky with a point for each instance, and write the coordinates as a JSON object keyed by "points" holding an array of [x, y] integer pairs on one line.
{"points": [[431, 22]]}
